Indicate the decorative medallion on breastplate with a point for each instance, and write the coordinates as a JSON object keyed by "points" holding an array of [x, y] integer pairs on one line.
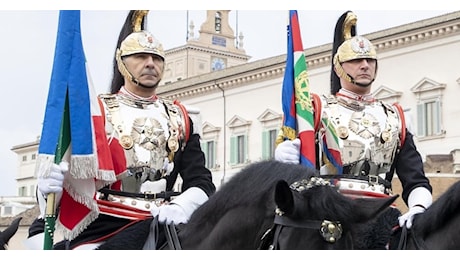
{"points": [[126, 141], [148, 133], [364, 125]]}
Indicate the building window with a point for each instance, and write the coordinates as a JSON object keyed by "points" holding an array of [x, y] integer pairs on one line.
{"points": [[24, 158], [22, 191], [239, 128], [239, 147], [218, 22], [268, 143], [34, 156], [429, 118], [209, 150], [270, 121], [429, 95], [7, 210]]}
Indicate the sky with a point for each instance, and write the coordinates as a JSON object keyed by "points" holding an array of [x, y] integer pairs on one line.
{"points": [[28, 42]]}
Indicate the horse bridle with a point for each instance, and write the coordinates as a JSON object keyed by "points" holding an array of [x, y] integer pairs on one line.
{"points": [[331, 231]]}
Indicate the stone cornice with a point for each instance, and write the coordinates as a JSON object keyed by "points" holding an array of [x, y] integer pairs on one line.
{"points": [[390, 39], [192, 47]]}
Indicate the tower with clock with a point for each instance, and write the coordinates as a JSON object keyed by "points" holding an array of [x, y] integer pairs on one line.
{"points": [[217, 63], [217, 47]]}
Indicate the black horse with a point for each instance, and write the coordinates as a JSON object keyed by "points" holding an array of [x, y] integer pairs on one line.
{"points": [[438, 228], [8, 233], [269, 205]]}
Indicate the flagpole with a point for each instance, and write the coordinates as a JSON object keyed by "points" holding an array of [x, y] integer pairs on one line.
{"points": [[50, 221], [50, 215]]}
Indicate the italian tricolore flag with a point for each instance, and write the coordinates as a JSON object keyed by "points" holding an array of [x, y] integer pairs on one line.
{"points": [[73, 131]]}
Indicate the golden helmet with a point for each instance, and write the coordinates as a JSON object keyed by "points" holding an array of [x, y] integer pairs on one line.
{"points": [[141, 42], [357, 47], [133, 39], [348, 46]]}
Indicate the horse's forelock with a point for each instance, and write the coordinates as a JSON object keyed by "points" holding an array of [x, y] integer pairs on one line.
{"points": [[325, 202]]}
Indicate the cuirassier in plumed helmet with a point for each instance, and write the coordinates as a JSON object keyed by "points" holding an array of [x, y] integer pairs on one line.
{"points": [[134, 39], [348, 46]]}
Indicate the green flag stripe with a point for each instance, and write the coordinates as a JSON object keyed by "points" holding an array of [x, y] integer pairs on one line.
{"points": [[64, 133]]}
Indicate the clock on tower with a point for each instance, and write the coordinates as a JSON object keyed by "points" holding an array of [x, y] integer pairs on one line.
{"points": [[217, 64]]}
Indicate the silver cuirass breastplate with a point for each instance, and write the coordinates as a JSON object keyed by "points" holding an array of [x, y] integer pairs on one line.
{"points": [[143, 129], [367, 134]]}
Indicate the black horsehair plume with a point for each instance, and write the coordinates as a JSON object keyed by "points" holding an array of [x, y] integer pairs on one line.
{"points": [[340, 35]]}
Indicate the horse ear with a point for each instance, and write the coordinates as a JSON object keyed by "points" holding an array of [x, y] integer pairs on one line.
{"points": [[283, 197], [11, 230]]}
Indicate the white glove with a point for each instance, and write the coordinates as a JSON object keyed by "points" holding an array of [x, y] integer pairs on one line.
{"points": [[153, 186], [409, 216], [53, 183], [419, 200], [34, 242], [181, 208], [288, 151]]}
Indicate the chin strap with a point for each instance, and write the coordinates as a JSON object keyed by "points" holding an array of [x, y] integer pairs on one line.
{"points": [[361, 84], [342, 74]]}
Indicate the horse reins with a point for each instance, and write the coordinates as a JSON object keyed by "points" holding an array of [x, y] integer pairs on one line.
{"points": [[172, 237], [419, 243]]}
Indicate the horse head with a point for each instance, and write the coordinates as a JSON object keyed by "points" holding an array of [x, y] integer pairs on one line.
{"points": [[312, 214], [9, 232]]}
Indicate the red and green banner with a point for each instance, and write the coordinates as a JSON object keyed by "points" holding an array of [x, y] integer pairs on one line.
{"points": [[296, 96]]}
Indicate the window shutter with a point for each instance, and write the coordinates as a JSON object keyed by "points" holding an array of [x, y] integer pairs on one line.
{"points": [[437, 116], [246, 154], [421, 119], [265, 145], [204, 147], [214, 151], [233, 149]]}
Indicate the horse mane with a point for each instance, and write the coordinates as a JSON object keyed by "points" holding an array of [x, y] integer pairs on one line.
{"points": [[253, 187], [442, 210], [332, 204]]}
